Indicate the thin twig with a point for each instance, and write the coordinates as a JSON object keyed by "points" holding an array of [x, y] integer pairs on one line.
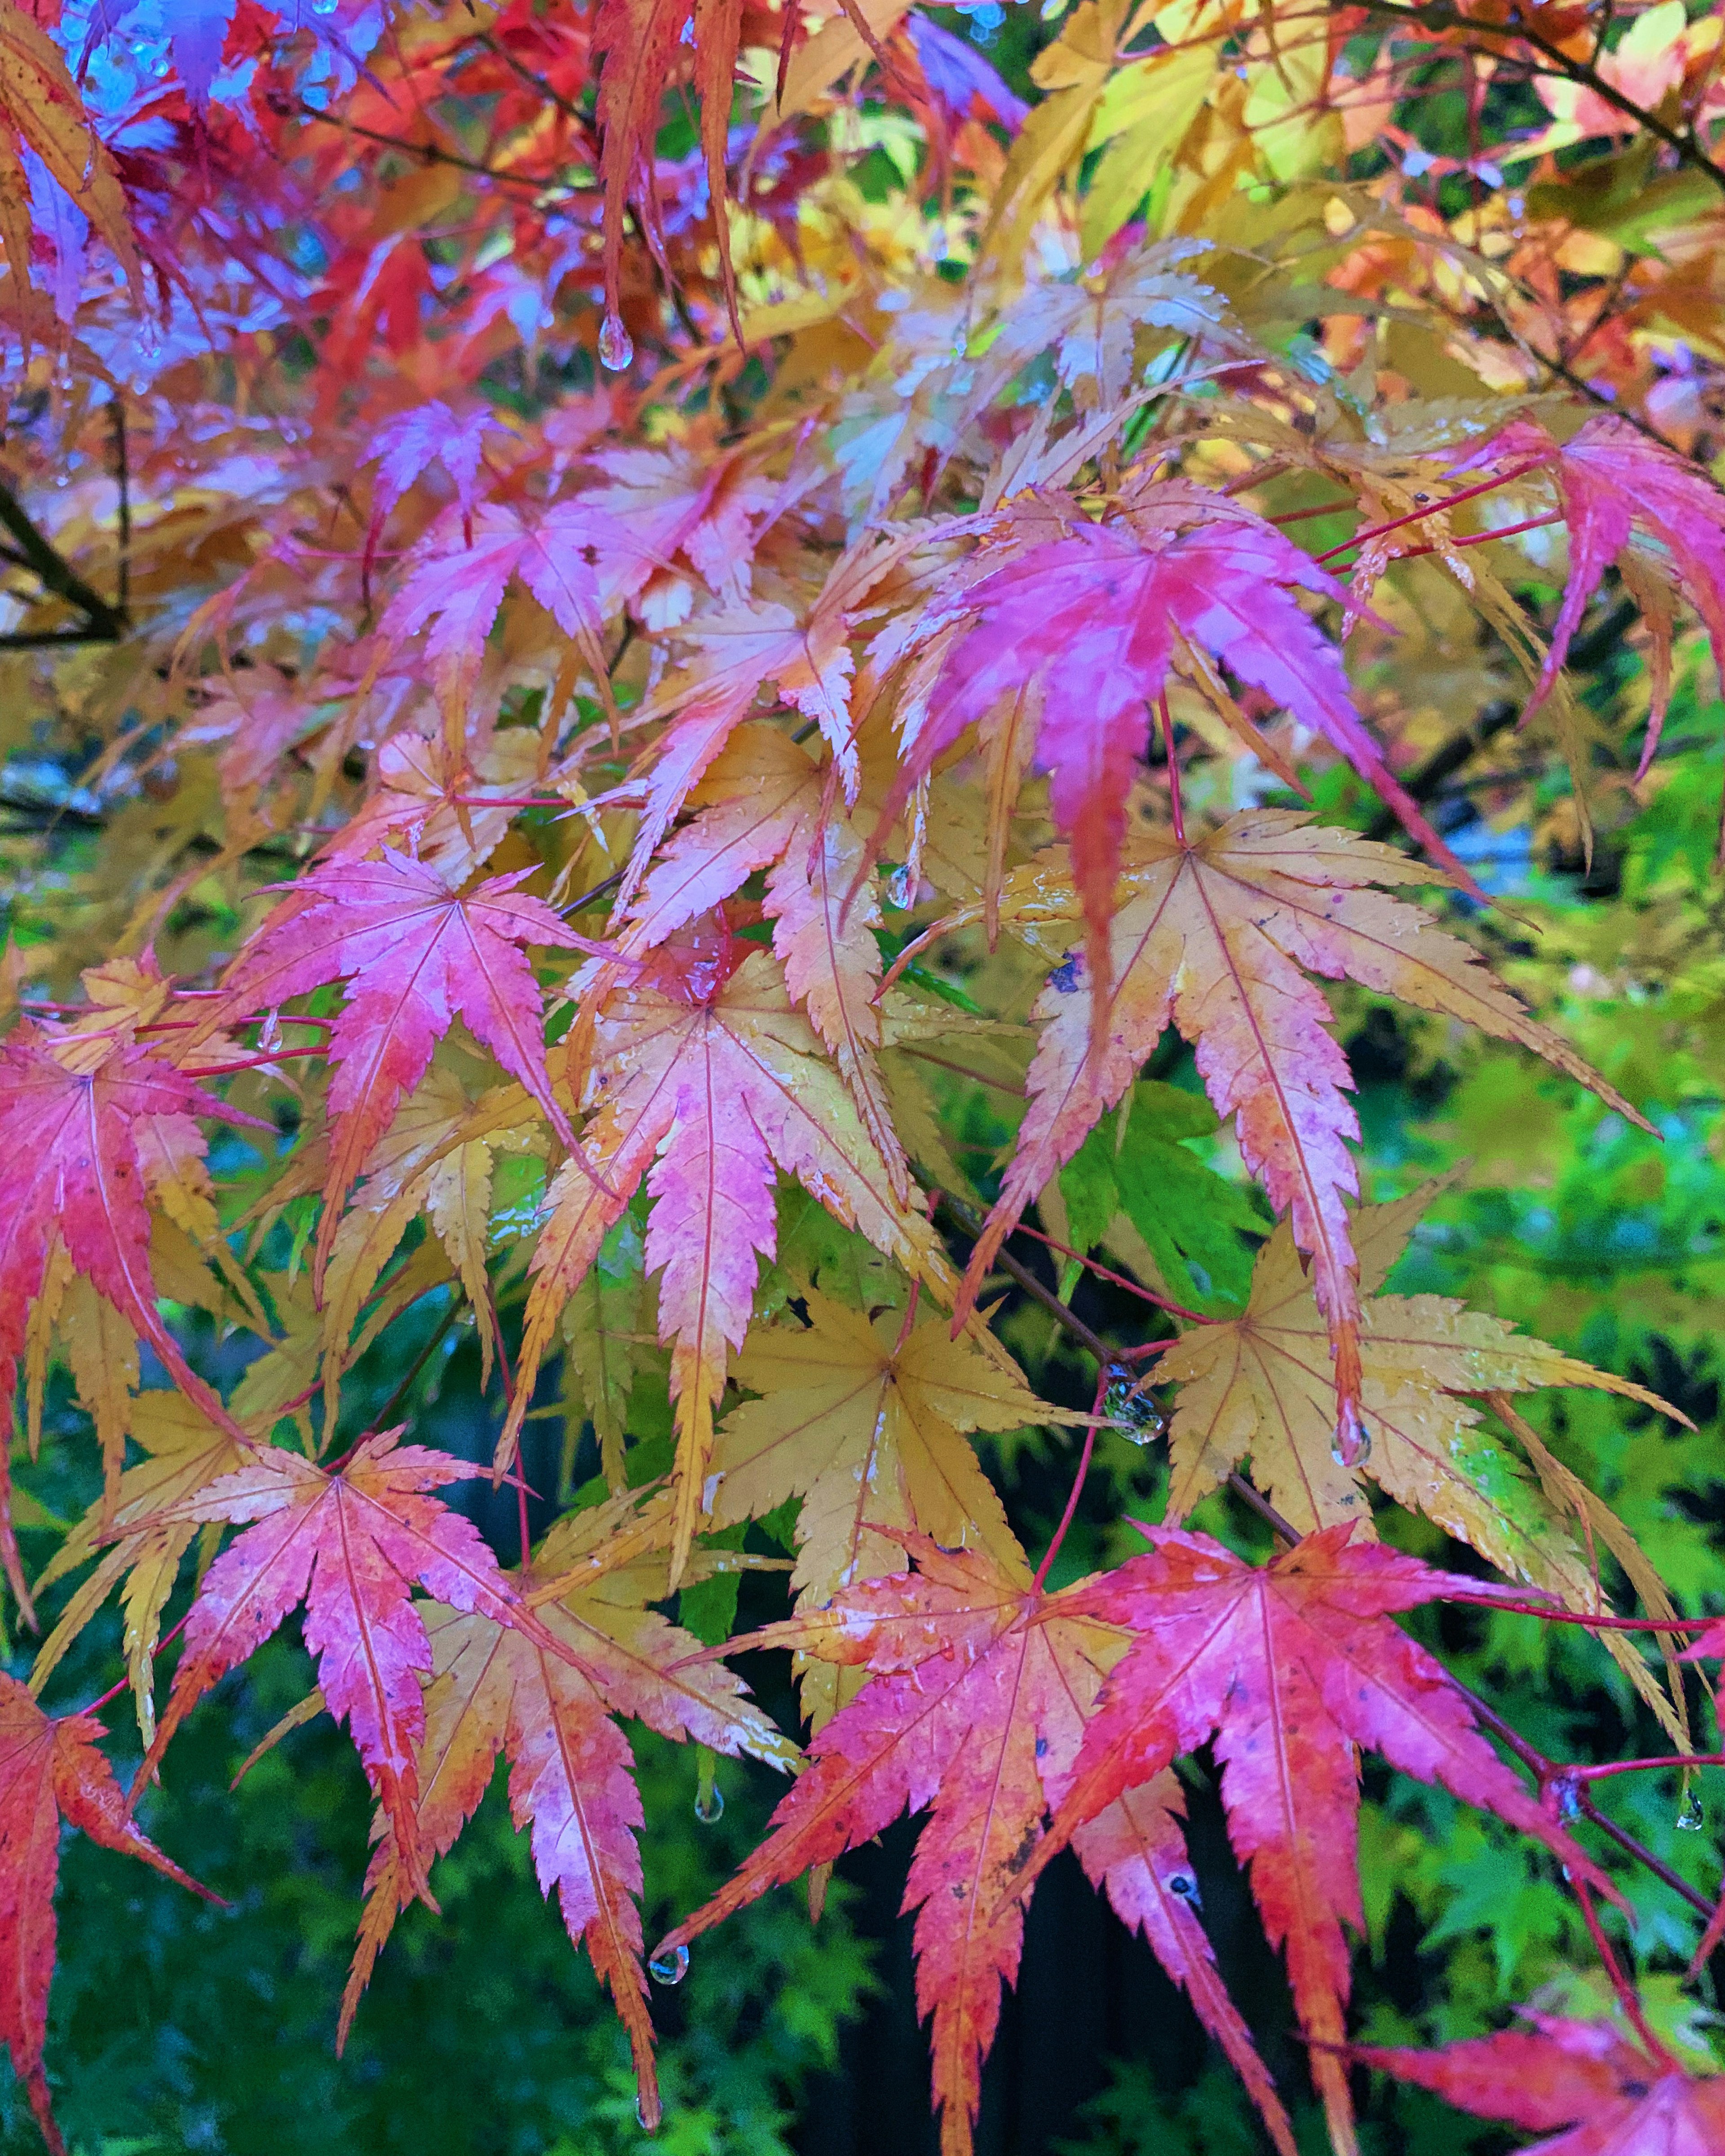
{"points": [[1437, 16], [122, 475], [392, 1406], [969, 1223]]}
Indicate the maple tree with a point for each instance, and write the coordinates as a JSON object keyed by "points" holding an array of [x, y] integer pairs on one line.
{"points": [[725, 725]]}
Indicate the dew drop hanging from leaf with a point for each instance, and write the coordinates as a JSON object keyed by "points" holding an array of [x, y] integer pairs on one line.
{"points": [[616, 346], [670, 1969], [1353, 1446], [1690, 1817]]}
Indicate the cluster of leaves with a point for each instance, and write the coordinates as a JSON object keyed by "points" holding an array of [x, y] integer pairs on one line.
{"points": [[695, 724]]}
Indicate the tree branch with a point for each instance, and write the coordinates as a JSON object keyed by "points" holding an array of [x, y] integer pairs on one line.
{"points": [[103, 623], [1438, 16]]}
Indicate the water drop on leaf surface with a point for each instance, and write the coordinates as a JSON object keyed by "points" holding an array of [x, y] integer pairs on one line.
{"points": [[1690, 1817], [670, 1968], [616, 346], [709, 1804]]}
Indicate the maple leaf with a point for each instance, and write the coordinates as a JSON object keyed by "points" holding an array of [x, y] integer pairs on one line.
{"points": [[1213, 935], [1612, 479], [579, 563], [708, 506], [980, 1689], [864, 1421], [183, 1453], [406, 447], [51, 1774], [495, 1690], [86, 1134], [1262, 1384], [763, 804], [417, 955], [702, 1071], [1620, 2099], [739, 651], [1085, 629], [42, 112], [438, 803], [350, 1543], [437, 1158], [1288, 1666]]}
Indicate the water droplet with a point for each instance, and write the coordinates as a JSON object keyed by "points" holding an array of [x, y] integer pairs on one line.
{"points": [[323, 7], [1692, 1818], [709, 1803], [1134, 1412], [669, 1968], [641, 2118], [1186, 1886], [616, 346], [1353, 1446], [901, 889]]}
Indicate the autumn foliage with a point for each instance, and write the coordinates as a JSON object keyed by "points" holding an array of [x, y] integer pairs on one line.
{"points": [[742, 707]]}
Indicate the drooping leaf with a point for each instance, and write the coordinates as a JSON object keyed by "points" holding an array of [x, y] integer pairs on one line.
{"points": [[416, 955], [865, 1422], [495, 1690], [41, 111], [351, 1544], [1216, 935], [1582, 2075], [1288, 1666], [1612, 479], [1085, 629], [84, 1132], [976, 1709], [701, 1071], [51, 1776], [184, 1453]]}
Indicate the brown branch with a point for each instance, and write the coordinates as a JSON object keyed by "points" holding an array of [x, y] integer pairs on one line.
{"points": [[1438, 16], [103, 623], [431, 153]]}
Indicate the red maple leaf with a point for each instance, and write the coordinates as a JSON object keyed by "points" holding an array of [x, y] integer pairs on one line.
{"points": [[1084, 628], [705, 1082], [1621, 2100], [576, 560], [350, 1544], [417, 955], [572, 1781], [51, 1774], [1612, 479], [1289, 1666], [81, 1140], [976, 1708]]}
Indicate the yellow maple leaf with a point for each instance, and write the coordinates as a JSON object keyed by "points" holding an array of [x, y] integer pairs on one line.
{"points": [[1262, 1386], [866, 1423]]}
